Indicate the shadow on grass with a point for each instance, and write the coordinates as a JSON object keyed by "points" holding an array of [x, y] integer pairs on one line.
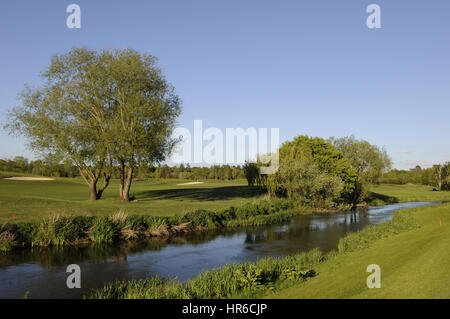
{"points": [[376, 197], [200, 194]]}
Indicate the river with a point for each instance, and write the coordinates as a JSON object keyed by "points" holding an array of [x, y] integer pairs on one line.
{"points": [[41, 272]]}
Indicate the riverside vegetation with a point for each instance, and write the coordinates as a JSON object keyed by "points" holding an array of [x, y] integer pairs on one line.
{"points": [[270, 276], [60, 230]]}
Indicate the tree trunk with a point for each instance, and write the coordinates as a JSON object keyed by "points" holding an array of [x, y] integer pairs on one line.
{"points": [[122, 179], [93, 189], [439, 177], [105, 184], [125, 191]]}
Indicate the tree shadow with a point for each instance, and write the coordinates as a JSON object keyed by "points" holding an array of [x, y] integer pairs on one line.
{"points": [[380, 197], [200, 193]]}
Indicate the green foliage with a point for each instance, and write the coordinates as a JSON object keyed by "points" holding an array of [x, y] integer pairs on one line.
{"points": [[296, 273], [96, 109], [369, 161], [103, 230], [251, 172], [247, 280], [323, 154], [437, 176], [304, 182], [203, 218], [59, 230]]}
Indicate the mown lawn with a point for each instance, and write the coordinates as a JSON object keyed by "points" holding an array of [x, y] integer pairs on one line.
{"points": [[31, 200], [408, 193], [414, 264]]}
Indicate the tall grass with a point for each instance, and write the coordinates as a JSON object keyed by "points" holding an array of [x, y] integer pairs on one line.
{"points": [[247, 280], [61, 230]]}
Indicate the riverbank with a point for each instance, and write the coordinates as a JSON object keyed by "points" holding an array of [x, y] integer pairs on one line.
{"points": [[412, 251], [61, 230], [383, 194], [414, 264]]}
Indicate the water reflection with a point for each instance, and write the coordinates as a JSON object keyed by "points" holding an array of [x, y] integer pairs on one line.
{"points": [[42, 271]]}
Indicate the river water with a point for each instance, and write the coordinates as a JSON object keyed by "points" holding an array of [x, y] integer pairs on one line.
{"points": [[41, 272]]}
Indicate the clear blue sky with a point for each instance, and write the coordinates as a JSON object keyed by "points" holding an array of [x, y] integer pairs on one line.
{"points": [[308, 67]]}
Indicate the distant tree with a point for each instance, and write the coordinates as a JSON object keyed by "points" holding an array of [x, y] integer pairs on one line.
{"points": [[438, 175], [369, 162], [251, 172], [441, 173], [325, 156]]}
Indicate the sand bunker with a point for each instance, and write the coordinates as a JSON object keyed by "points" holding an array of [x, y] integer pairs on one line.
{"points": [[30, 178], [190, 183]]}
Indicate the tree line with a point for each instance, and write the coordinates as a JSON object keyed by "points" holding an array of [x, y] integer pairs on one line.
{"points": [[49, 168], [437, 176]]}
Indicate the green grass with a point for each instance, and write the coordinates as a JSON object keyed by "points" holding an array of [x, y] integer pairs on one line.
{"points": [[414, 264], [32, 200], [407, 193]]}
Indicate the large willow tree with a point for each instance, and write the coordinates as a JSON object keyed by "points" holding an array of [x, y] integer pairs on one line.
{"points": [[100, 110]]}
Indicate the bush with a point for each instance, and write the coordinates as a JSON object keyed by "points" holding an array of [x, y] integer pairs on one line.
{"points": [[304, 182]]}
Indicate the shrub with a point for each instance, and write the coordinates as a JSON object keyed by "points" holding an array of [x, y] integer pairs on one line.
{"points": [[304, 182]]}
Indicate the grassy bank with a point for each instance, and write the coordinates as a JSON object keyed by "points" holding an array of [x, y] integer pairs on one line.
{"points": [[388, 194], [412, 251], [248, 280], [414, 263], [60, 230]]}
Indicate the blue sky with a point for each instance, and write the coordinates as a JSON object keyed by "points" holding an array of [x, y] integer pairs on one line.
{"points": [[307, 67]]}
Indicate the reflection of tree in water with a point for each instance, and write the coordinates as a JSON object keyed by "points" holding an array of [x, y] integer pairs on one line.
{"points": [[50, 257]]}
